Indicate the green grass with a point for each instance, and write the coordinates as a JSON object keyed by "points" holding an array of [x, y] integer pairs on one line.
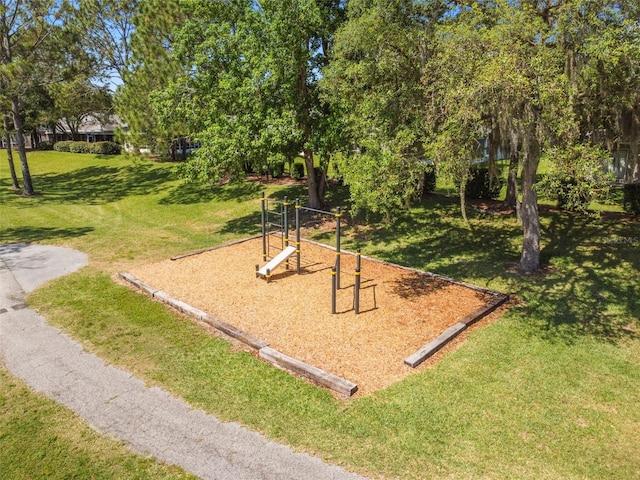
{"points": [[548, 391], [40, 439], [119, 209]]}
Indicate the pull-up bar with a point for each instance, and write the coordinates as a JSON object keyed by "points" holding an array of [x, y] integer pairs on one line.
{"points": [[285, 224]]}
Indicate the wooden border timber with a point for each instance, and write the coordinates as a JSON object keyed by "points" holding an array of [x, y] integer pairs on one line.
{"points": [[185, 308], [279, 359], [326, 379], [319, 376], [450, 333]]}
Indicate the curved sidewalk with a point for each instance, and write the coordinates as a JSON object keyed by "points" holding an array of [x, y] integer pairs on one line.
{"points": [[149, 420]]}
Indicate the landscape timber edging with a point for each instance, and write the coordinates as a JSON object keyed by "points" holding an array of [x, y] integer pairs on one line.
{"points": [[454, 330], [274, 357], [319, 376], [326, 379]]}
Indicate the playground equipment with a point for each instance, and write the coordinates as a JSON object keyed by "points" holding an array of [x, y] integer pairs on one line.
{"points": [[275, 261], [283, 230], [286, 250]]}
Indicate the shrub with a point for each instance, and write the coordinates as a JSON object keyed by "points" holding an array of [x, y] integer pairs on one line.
{"points": [[276, 169], [298, 171], [63, 146], [480, 185], [98, 148], [572, 197], [575, 176], [80, 147], [631, 198], [106, 148], [46, 145]]}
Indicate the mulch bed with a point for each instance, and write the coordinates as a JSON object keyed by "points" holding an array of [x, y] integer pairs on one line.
{"points": [[400, 310]]}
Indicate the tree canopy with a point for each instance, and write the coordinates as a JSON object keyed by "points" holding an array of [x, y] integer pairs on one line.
{"points": [[536, 77], [394, 86]]}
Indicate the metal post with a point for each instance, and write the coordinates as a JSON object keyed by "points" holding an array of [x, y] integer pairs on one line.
{"points": [[264, 228], [298, 233], [338, 215], [334, 288], [286, 228], [356, 291], [268, 275]]}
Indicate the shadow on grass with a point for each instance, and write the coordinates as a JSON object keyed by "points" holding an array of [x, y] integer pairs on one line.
{"points": [[189, 193], [245, 226], [593, 289], [434, 238], [101, 184], [40, 234], [590, 289], [292, 192]]}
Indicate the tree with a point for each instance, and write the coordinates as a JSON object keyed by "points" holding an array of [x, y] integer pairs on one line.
{"points": [[378, 62], [518, 85], [530, 76], [534, 86], [34, 48], [77, 99], [109, 26], [15, 185], [605, 48], [248, 90], [151, 68]]}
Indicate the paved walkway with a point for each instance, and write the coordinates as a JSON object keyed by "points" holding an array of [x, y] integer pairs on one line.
{"points": [[149, 420]]}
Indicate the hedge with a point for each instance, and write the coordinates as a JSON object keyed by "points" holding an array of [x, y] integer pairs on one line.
{"points": [[46, 145], [63, 146], [96, 148]]}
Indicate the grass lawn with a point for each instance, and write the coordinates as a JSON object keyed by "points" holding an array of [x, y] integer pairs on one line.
{"points": [[40, 439], [548, 391]]}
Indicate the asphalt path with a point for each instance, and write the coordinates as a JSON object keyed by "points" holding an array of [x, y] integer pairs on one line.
{"points": [[148, 419]]}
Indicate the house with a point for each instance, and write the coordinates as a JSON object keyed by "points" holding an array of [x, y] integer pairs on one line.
{"points": [[92, 128]]}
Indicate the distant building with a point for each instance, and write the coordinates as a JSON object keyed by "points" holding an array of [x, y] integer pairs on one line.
{"points": [[92, 128], [28, 142]]}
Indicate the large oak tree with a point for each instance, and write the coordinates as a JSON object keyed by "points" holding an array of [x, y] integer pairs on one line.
{"points": [[249, 84]]}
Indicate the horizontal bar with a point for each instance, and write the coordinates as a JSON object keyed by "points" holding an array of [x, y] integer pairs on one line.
{"points": [[309, 209]]}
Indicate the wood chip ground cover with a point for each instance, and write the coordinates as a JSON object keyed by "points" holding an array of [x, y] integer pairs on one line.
{"points": [[400, 310]]}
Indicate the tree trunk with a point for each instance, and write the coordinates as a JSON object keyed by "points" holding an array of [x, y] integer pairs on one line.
{"points": [[511, 198], [530, 259], [12, 167], [630, 128], [312, 182], [463, 201], [632, 168], [19, 129], [322, 183]]}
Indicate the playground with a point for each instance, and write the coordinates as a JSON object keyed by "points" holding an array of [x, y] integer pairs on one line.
{"points": [[400, 310]]}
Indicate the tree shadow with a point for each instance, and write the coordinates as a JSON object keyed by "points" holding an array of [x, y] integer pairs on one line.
{"points": [[433, 238], [292, 192], [189, 193], [97, 185], [590, 287], [40, 234], [593, 289], [414, 285], [247, 225]]}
